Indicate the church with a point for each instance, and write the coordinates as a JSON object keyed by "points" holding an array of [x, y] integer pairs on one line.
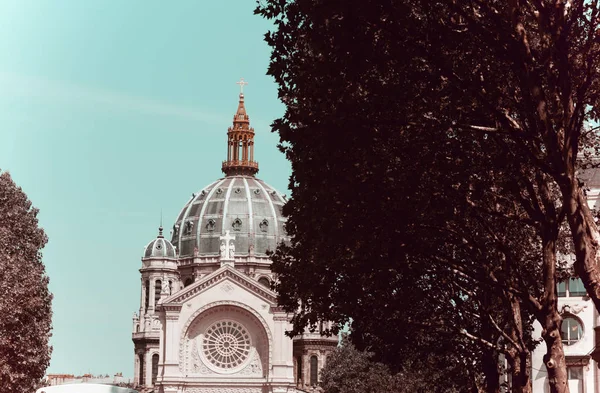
{"points": [[208, 321]]}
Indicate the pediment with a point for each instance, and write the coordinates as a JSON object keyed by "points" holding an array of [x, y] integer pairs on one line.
{"points": [[225, 273]]}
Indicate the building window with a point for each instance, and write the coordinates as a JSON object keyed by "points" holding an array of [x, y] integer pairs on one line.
{"points": [[154, 368], [299, 369], [141, 376], [147, 296], [264, 282], [571, 287], [226, 344], [314, 372], [575, 379], [570, 330], [576, 287], [157, 289]]}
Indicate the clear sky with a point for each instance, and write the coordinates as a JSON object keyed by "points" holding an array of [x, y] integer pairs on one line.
{"points": [[109, 112]]}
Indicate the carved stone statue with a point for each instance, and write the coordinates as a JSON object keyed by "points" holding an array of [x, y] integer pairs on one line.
{"points": [[189, 225], [227, 247], [223, 250], [231, 250], [165, 287]]}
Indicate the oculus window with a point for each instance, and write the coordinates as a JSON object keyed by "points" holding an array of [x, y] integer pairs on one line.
{"points": [[571, 330]]}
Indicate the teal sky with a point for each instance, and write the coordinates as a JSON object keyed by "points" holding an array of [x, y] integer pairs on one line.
{"points": [[109, 112]]}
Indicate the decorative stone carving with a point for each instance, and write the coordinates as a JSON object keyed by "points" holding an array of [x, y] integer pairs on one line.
{"points": [[254, 367], [175, 230], [155, 323], [197, 365], [227, 287], [186, 343], [227, 247], [223, 390], [165, 287], [572, 308], [189, 225], [264, 225], [252, 285], [210, 225], [231, 250]]}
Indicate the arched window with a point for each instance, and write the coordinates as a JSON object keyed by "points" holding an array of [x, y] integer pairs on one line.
{"points": [[157, 288], [189, 281], [141, 376], [147, 302], [570, 330], [299, 369], [170, 287], [154, 368], [264, 282], [314, 372]]}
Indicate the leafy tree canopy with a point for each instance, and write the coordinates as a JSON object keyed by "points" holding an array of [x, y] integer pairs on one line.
{"points": [[25, 302], [410, 126]]}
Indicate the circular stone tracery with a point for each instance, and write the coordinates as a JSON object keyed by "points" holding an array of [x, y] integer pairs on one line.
{"points": [[226, 344]]}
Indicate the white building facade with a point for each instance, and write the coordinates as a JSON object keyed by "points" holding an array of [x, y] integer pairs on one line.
{"points": [[580, 329], [208, 321]]}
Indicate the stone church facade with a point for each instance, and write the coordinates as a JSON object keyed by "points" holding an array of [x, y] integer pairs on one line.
{"points": [[208, 321]]}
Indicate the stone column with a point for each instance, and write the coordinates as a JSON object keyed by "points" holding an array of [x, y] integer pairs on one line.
{"points": [[282, 371], [148, 370], [170, 341], [136, 368], [142, 305]]}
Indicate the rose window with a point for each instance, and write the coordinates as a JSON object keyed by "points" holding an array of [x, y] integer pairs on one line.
{"points": [[226, 344]]}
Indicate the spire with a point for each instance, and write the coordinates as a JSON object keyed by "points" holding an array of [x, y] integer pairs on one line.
{"points": [[240, 142], [160, 228]]}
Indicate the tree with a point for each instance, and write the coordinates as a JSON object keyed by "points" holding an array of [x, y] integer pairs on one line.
{"points": [[378, 93], [25, 302], [350, 371]]}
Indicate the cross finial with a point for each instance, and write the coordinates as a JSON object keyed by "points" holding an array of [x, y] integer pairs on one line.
{"points": [[241, 83]]}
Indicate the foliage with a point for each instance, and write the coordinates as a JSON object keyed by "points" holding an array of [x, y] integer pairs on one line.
{"points": [[349, 370], [434, 153], [25, 302]]}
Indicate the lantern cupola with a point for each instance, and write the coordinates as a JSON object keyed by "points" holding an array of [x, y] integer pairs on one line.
{"points": [[240, 142]]}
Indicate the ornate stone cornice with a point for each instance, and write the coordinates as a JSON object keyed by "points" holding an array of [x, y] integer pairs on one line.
{"points": [[211, 280], [582, 360]]}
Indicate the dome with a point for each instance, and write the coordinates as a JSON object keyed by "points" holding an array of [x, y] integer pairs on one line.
{"points": [[159, 247], [245, 206]]}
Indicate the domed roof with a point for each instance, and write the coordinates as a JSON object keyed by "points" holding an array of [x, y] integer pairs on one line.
{"points": [[245, 206], [159, 247]]}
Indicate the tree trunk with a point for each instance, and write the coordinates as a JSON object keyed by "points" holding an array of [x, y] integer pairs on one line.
{"points": [[550, 319], [519, 361], [586, 240], [521, 375], [554, 359]]}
